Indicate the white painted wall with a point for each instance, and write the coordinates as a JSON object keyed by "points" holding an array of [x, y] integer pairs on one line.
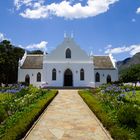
{"points": [[33, 76], [74, 67], [104, 74], [58, 54], [79, 59]]}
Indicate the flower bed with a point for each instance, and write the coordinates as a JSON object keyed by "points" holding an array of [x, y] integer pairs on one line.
{"points": [[12, 89], [118, 108], [22, 110]]}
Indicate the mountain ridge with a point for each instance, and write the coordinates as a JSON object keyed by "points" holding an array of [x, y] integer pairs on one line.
{"points": [[126, 63]]}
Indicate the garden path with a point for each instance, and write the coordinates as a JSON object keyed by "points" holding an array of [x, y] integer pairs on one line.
{"points": [[68, 118]]}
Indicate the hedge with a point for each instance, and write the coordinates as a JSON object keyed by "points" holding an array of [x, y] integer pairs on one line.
{"points": [[117, 132], [18, 124]]}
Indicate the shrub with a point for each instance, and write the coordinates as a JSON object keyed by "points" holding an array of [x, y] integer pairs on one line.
{"points": [[18, 124], [3, 113], [127, 115], [138, 131], [119, 133], [109, 120], [95, 90]]}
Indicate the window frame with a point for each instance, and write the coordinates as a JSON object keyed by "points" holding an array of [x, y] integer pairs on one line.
{"points": [[97, 77], [68, 53], [38, 77], [53, 74], [82, 74]]}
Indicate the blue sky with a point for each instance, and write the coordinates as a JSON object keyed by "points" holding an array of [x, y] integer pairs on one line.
{"points": [[100, 26]]}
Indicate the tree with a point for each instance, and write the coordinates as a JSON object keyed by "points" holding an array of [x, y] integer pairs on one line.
{"points": [[131, 74], [35, 52], [9, 57]]}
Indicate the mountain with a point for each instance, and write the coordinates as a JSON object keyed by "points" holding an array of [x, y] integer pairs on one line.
{"points": [[128, 62]]}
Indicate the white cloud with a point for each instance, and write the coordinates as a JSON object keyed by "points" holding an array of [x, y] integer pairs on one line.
{"points": [[108, 46], [19, 3], [133, 49], [64, 9], [35, 14], [42, 45], [138, 10]]}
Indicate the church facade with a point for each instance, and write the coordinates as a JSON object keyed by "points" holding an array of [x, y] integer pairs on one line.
{"points": [[67, 65]]}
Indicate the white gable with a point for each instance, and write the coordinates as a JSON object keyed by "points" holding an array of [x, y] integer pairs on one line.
{"points": [[59, 54]]}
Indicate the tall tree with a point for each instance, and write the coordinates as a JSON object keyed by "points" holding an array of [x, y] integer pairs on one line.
{"points": [[9, 56]]}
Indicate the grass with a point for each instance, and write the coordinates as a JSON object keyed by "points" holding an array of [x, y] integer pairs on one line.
{"points": [[4, 96], [117, 132], [18, 124], [135, 99]]}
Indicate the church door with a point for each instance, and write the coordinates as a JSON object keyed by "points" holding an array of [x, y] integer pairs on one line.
{"points": [[27, 80], [68, 78], [108, 79]]}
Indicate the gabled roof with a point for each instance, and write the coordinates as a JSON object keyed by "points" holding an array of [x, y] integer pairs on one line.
{"points": [[102, 62], [36, 62], [33, 62]]}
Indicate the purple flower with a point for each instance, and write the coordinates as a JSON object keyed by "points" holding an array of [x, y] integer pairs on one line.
{"points": [[122, 95], [127, 89]]}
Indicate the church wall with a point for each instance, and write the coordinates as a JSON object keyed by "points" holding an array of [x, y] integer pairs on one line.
{"points": [[57, 59], [33, 76], [74, 67], [103, 76]]}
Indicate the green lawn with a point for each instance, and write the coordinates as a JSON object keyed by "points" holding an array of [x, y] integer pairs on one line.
{"points": [[135, 98], [138, 96]]}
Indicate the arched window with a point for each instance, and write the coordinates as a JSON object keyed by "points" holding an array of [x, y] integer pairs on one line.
{"points": [[108, 79], [38, 77], [68, 53], [27, 79], [82, 75], [97, 77], [54, 74]]}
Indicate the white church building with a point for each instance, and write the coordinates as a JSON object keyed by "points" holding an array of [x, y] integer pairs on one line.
{"points": [[67, 65]]}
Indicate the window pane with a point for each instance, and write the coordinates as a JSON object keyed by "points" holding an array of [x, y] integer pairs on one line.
{"points": [[97, 77], [68, 53], [54, 74], [39, 77], [82, 77]]}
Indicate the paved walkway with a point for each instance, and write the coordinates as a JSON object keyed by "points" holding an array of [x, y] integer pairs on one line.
{"points": [[68, 118]]}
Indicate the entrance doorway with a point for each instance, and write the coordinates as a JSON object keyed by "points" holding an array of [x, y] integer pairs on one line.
{"points": [[108, 80], [27, 80], [68, 78]]}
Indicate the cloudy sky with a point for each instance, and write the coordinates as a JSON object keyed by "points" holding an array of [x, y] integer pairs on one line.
{"points": [[100, 26]]}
